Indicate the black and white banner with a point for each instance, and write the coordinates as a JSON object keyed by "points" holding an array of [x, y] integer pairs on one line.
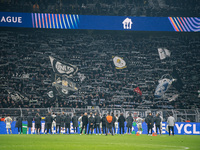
{"points": [[63, 68]]}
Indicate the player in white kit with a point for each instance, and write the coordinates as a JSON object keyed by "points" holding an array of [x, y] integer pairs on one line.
{"points": [[116, 124], [54, 123], [8, 121], [139, 122]]}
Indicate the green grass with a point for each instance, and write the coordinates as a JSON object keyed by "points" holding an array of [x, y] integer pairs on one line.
{"points": [[99, 142]]}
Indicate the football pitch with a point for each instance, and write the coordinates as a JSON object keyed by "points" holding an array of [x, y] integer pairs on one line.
{"points": [[99, 142]]}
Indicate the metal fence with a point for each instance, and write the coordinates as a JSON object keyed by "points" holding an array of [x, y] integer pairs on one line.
{"points": [[181, 115]]}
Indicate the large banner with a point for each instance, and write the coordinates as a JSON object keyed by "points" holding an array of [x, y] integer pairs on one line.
{"points": [[181, 128], [71, 21]]}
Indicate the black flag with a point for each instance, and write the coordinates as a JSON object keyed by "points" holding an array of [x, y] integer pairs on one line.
{"points": [[178, 84], [62, 68]]}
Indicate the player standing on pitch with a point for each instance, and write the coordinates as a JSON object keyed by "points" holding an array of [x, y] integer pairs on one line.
{"points": [[129, 121], [116, 124], [75, 123], [139, 122], [97, 123], [157, 121], [8, 122], [54, 123], [38, 124], [58, 123], [29, 121]]}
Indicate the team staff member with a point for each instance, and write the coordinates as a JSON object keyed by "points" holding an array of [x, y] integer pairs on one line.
{"points": [[103, 120], [114, 120], [84, 123], [121, 121], [37, 123], [91, 123], [157, 121], [48, 122], [62, 121], [58, 123], [149, 121], [19, 124], [97, 122], [75, 123], [129, 121], [109, 124], [171, 124], [67, 123], [29, 121]]}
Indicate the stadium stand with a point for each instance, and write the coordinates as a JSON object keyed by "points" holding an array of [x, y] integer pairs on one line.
{"points": [[106, 7], [26, 71]]}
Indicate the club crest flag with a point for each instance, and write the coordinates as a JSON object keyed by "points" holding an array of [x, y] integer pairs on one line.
{"points": [[63, 68], [64, 85], [137, 90], [178, 84], [119, 63], [164, 84], [163, 53]]}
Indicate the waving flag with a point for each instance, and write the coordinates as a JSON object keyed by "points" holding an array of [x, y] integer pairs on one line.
{"points": [[173, 98], [137, 90], [63, 68], [164, 84], [178, 84], [119, 62], [64, 86], [163, 53]]}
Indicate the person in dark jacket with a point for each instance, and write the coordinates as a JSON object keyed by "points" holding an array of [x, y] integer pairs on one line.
{"points": [[75, 123], [58, 123], [149, 121], [16, 124], [91, 123], [67, 123], [109, 123], [121, 121], [19, 124], [84, 123], [97, 122], [129, 121], [48, 122], [37, 123], [114, 120], [157, 121], [103, 120], [29, 121], [62, 122]]}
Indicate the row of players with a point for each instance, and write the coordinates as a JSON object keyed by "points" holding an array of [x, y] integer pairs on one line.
{"points": [[103, 124]]}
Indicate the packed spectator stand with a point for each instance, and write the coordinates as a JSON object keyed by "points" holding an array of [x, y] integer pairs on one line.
{"points": [[26, 71]]}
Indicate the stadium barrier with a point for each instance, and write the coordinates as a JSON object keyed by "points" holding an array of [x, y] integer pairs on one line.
{"points": [[180, 115], [181, 128]]}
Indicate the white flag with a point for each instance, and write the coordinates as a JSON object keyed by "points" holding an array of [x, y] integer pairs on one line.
{"points": [[163, 53]]}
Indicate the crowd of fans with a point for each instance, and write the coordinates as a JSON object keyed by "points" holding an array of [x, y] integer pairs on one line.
{"points": [[106, 7], [26, 72]]}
